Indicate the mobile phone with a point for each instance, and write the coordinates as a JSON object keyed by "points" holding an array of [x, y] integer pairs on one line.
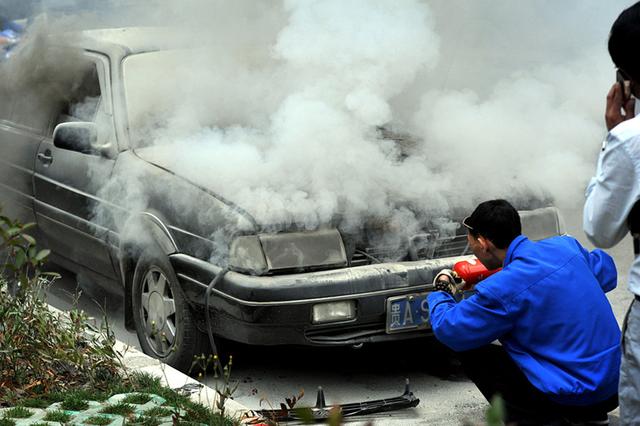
{"points": [[625, 86]]}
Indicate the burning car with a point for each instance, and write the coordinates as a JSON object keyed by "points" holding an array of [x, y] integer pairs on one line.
{"points": [[199, 263]]}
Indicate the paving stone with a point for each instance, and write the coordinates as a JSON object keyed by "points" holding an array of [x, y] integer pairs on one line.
{"points": [[94, 409]]}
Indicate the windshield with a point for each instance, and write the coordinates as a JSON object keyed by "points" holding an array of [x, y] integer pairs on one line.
{"points": [[154, 92], [183, 91]]}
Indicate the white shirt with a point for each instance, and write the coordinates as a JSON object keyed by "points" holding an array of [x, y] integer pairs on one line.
{"points": [[614, 190]]}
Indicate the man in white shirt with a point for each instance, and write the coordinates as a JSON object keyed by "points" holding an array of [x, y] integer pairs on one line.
{"points": [[613, 192]]}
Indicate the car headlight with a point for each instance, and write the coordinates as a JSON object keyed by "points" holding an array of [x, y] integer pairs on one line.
{"points": [[287, 252], [334, 311]]}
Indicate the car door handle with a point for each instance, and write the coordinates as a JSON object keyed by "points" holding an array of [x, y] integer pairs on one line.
{"points": [[45, 158]]}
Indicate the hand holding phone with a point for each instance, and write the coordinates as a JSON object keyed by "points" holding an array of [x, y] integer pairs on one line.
{"points": [[625, 86], [620, 102]]}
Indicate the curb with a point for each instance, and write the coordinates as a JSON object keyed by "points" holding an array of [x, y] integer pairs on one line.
{"points": [[135, 360]]}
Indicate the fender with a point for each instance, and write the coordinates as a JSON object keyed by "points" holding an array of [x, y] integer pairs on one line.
{"points": [[141, 230]]}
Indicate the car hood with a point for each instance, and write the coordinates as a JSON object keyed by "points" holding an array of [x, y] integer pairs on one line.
{"points": [[189, 167], [374, 241]]}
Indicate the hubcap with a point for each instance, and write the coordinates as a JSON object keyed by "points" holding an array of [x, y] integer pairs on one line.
{"points": [[158, 312]]}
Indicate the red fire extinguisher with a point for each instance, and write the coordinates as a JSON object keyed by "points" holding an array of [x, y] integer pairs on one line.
{"points": [[472, 271]]}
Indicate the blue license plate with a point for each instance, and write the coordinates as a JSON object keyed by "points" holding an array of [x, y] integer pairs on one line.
{"points": [[407, 313]]}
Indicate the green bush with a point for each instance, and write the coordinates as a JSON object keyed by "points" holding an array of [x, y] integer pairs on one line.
{"points": [[47, 358], [42, 351]]}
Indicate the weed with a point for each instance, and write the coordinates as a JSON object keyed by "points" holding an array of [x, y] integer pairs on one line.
{"points": [[40, 424], [290, 405], [18, 413], [98, 420], [74, 403], [7, 422], [136, 398], [220, 372], [57, 416], [120, 409]]}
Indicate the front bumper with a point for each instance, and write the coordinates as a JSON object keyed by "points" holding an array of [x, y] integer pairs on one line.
{"points": [[274, 310]]}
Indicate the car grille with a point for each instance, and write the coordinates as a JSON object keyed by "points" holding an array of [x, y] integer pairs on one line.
{"points": [[454, 246], [420, 247]]}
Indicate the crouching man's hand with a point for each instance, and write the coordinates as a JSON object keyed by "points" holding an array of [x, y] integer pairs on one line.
{"points": [[446, 281]]}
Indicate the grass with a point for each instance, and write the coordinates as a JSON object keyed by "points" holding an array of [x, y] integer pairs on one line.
{"points": [[18, 413], [159, 412], [57, 416], [74, 402], [98, 420], [7, 422], [136, 398], [139, 383], [120, 409], [146, 421], [34, 403]]}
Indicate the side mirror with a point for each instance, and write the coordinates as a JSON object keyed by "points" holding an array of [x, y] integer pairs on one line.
{"points": [[77, 136]]}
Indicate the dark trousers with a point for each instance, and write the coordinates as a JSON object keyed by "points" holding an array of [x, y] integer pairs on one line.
{"points": [[495, 373]]}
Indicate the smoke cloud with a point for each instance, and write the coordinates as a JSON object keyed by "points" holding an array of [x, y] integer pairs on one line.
{"points": [[287, 107]]}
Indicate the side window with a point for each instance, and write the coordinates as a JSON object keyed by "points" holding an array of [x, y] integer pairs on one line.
{"points": [[31, 110], [84, 99], [86, 102]]}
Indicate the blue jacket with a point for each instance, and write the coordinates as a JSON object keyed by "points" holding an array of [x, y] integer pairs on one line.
{"points": [[549, 310]]}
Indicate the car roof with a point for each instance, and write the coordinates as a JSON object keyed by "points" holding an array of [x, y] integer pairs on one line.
{"points": [[125, 41]]}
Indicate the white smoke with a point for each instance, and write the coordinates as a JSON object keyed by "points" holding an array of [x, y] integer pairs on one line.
{"points": [[280, 106], [307, 146]]}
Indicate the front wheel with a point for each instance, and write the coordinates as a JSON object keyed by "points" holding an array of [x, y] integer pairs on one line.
{"points": [[164, 323]]}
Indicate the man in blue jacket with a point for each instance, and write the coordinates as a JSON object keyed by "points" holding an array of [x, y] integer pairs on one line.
{"points": [[559, 357]]}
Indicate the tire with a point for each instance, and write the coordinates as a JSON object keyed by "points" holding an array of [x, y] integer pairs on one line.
{"points": [[164, 323]]}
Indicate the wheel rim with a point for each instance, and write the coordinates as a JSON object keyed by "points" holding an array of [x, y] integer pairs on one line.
{"points": [[158, 312]]}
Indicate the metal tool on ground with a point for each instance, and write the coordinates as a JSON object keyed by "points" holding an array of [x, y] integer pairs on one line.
{"points": [[321, 411]]}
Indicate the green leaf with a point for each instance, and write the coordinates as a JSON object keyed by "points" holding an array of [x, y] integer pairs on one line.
{"points": [[21, 258], [305, 415], [28, 226], [29, 239], [42, 255], [496, 412], [52, 275], [11, 232]]}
